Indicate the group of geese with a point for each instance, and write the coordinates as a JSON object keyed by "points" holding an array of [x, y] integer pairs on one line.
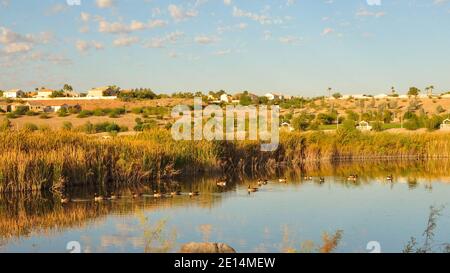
{"points": [[134, 195], [220, 183]]}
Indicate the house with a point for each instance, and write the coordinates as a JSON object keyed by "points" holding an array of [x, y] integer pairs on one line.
{"points": [[446, 96], [226, 98], [98, 92], [273, 96], [286, 126], [44, 93], [364, 126], [38, 107], [4, 107], [381, 96], [14, 93], [445, 125]]}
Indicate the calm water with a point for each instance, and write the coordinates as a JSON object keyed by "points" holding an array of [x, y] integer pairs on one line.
{"points": [[279, 217]]}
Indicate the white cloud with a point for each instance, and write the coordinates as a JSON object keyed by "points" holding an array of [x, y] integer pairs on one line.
{"points": [[104, 3], [17, 48], [118, 27], [204, 40], [84, 46], [365, 13], [327, 31], [161, 42], [227, 2], [261, 18], [374, 2], [288, 39], [125, 41], [85, 17], [178, 13]]}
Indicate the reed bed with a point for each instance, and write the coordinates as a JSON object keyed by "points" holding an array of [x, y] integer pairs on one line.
{"points": [[46, 160]]}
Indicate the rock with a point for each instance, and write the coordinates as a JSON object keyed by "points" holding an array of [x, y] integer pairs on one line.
{"points": [[206, 248]]}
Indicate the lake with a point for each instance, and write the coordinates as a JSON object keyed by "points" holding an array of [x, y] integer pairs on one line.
{"points": [[280, 217]]}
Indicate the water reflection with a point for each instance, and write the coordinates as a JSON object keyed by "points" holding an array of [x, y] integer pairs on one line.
{"points": [[41, 214]]}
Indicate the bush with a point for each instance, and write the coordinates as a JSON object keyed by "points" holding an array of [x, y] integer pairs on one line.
{"points": [[412, 124], [11, 115], [63, 112], [30, 127], [67, 125], [5, 125], [31, 113], [433, 123], [377, 126], [21, 110], [44, 116], [99, 112], [84, 114], [145, 125]]}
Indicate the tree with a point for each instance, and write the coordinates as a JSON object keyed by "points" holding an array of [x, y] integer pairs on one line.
{"points": [[67, 87], [245, 99], [413, 91], [337, 95]]}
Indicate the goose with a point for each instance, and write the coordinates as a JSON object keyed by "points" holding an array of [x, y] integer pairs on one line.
{"points": [[352, 177], [250, 189], [390, 177], [221, 183], [65, 200], [136, 195], [322, 179], [157, 194], [114, 196], [98, 198], [282, 180], [173, 193], [194, 193]]}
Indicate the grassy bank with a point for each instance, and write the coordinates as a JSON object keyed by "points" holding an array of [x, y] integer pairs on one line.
{"points": [[45, 160]]}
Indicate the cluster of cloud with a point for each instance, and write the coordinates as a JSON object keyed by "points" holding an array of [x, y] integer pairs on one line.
{"points": [[162, 42], [179, 14], [14, 42], [263, 19], [118, 27], [84, 46]]}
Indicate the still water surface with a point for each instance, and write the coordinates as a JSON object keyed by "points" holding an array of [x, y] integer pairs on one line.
{"points": [[279, 217]]}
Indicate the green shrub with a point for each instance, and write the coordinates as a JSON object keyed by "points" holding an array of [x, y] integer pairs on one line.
{"points": [[67, 125], [63, 112], [5, 125], [377, 126], [30, 127], [11, 115], [433, 123], [31, 113], [44, 116], [84, 114]]}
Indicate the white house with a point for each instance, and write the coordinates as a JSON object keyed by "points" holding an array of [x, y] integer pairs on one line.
{"points": [[364, 126], [14, 93], [226, 98], [381, 96], [44, 93], [445, 125], [446, 96], [273, 96], [98, 92]]}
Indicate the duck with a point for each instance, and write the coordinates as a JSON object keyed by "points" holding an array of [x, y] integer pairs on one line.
{"points": [[98, 198], [390, 177], [251, 189], [282, 180], [194, 193], [260, 182], [65, 200], [157, 194], [322, 179]]}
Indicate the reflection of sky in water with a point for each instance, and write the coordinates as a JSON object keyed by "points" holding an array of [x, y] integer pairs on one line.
{"points": [[279, 216]]}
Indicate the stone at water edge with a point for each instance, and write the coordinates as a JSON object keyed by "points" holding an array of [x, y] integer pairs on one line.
{"points": [[206, 248]]}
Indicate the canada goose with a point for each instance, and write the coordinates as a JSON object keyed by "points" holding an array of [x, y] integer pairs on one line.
{"points": [[251, 189], [136, 195], [282, 180], [173, 193], [65, 200], [322, 179], [157, 194], [260, 182], [390, 177], [221, 183], [114, 196], [98, 198], [352, 177], [194, 193]]}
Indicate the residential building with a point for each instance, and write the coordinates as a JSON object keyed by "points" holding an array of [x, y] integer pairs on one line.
{"points": [[98, 92], [44, 93], [13, 94]]}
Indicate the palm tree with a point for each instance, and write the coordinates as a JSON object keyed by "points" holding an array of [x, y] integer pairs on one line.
{"points": [[329, 91], [431, 88]]}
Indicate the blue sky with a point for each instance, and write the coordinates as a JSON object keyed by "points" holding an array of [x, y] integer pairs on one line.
{"points": [[297, 47]]}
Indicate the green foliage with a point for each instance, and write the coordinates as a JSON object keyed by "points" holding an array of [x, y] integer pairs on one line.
{"points": [[44, 116], [433, 123], [67, 125], [5, 125], [347, 131], [141, 93], [377, 126], [30, 127], [84, 114], [413, 91], [147, 124]]}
